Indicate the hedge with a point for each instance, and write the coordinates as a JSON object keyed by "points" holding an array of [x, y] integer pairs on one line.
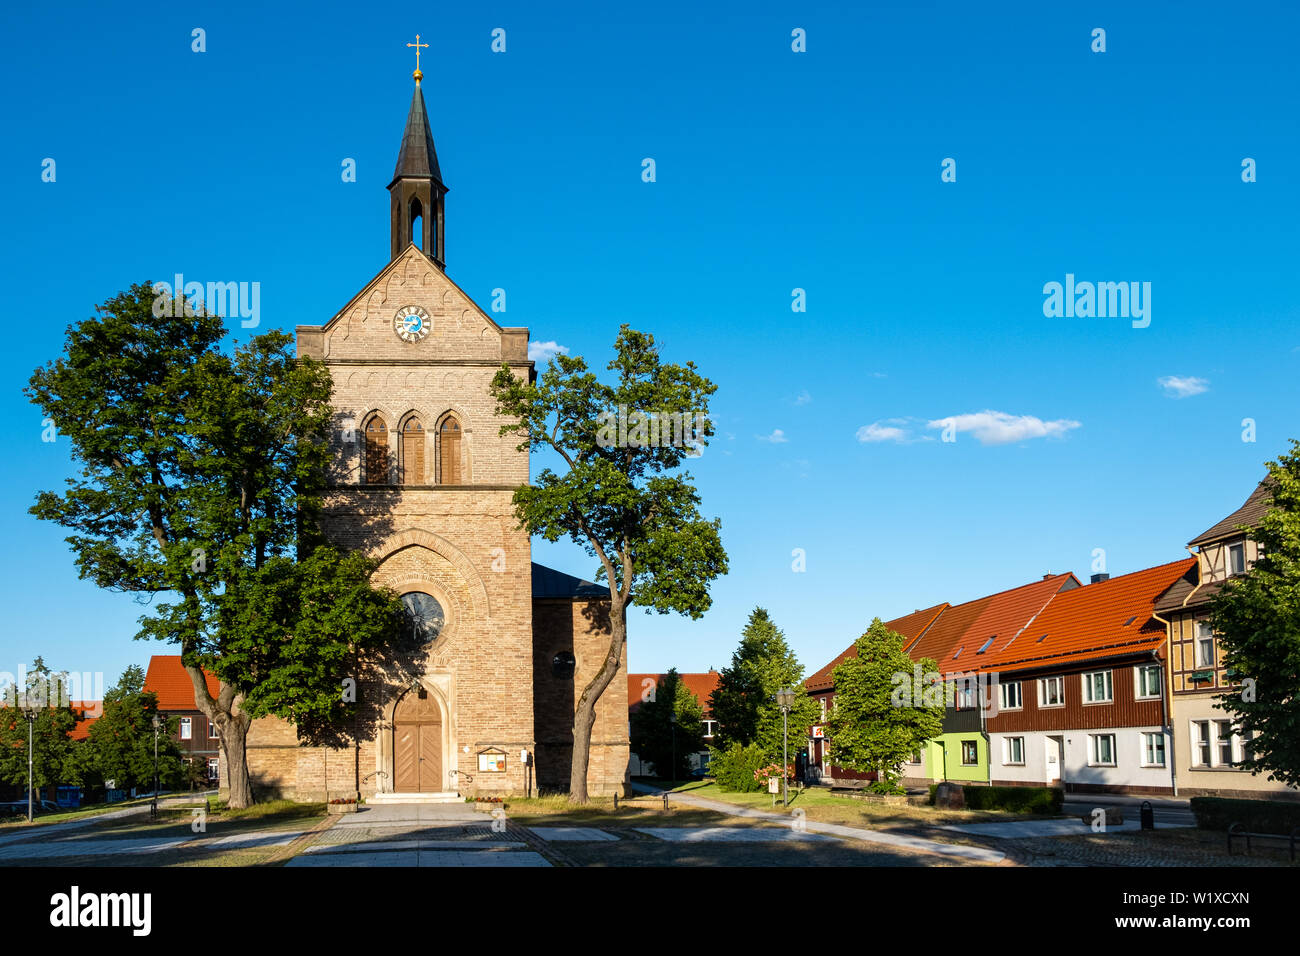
{"points": [[1012, 799], [1257, 816]]}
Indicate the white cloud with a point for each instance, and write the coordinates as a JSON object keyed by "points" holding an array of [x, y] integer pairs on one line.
{"points": [[1000, 428], [880, 432], [545, 351], [776, 438], [803, 398], [1183, 386]]}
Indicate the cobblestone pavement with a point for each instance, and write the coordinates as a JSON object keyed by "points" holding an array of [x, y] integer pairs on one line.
{"points": [[1168, 848]]}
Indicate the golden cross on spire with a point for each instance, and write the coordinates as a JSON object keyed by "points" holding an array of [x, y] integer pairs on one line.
{"points": [[417, 44]]}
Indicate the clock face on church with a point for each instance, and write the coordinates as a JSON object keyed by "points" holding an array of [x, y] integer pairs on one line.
{"points": [[412, 323]]}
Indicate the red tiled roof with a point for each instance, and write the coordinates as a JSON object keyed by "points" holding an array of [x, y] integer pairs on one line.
{"points": [[963, 628], [701, 685], [87, 711], [170, 681], [1100, 620], [910, 626]]}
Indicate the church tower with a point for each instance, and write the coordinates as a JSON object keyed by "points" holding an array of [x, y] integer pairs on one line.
{"points": [[478, 695], [417, 189]]}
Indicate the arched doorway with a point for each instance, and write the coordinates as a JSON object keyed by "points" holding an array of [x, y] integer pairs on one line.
{"points": [[417, 743]]}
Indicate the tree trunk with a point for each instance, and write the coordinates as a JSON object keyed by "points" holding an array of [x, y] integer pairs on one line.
{"points": [[234, 740], [584, 714], [232, 728]]}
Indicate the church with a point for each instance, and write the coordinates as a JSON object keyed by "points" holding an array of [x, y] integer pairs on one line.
{"points": [[479, 699]]}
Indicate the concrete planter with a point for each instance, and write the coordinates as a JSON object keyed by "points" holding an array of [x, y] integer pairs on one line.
{"points": [[343, 807]]}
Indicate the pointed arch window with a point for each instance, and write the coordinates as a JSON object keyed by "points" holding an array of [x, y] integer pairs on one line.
{"points": [[417, 222], [451, 469], [375, 464], [410, 442]]}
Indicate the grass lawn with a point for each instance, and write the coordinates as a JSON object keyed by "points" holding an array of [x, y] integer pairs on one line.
{"points": [[821, 806], [557, 811]]}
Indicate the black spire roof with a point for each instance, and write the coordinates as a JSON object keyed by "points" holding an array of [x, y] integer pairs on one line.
{"points": [[417, 158]]}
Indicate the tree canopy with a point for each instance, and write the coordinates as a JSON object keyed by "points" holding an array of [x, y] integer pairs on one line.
{"points": [[1257, 621], [619, 495]]}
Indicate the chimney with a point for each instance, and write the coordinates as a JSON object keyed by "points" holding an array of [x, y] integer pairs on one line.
{"points": [[1098, 578], [1047, 576]]}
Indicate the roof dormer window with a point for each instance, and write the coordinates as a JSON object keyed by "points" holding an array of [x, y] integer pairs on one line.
{"points": [[1237, 558]]}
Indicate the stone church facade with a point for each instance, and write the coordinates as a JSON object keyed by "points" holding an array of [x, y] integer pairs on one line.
{"points": [[479, 699]]}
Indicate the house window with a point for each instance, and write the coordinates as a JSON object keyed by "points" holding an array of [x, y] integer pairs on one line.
{"points": [[1009, 696], [823, 703], [1201, 747], [1237, 558], [186, 728], [1204, 644], [1148, 680], [965, 696], [1051, 692], [916, 757], [212, 731], [1101, 750], [970, 754], [709, 727], [1013, 750], [1153, 750], [1224, 735], [214, 768], [1097, 688]]}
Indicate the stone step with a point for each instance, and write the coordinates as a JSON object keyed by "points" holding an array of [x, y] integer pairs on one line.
{"points": [[447, 796]]}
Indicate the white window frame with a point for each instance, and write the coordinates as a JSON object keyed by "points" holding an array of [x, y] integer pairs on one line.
{"points": [[186, 728], [214, 768], [1148, 751], [1232, 740], [1202, 744], [1088, 688], [1093, 760], [212, 731], [1204, 633], [1008, 751], [823, 702], [976, 745], [965, 695], [710, 726], [1043, 684], [1005, 693], [1138, 671]]}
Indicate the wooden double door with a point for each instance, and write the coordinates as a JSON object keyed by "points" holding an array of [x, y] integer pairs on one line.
{"points": [[417, 745]]}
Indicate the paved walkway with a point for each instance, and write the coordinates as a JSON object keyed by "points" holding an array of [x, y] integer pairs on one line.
{"points": [[898, 841], [434, 835]]}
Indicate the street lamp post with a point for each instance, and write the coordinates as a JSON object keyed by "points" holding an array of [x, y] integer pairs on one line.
{"points": [[153, 807], [785, 699], [672, 720], [29, 712]]}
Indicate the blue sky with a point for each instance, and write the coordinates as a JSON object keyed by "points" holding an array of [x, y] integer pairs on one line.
{"points": [[775, 170]]}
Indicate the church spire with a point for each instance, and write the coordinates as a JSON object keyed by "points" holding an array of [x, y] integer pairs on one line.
{"points": [[417, 188]]}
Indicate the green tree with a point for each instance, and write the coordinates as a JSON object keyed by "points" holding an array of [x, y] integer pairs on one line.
{"points": [[881, 716], [120, 745], [1257, 621], [616, 497], [47, 692], [668, 727], [200, 481], [744, 702]]}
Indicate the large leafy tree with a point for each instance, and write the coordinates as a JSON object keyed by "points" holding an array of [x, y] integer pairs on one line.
{"points": [[1257, 620], [618, 494], [744, 702], [47, 692], [667, 728], [874, 726], [200, 478]]}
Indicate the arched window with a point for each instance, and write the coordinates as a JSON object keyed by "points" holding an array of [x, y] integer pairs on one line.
{"points": [[417, 223], [375, 466], [410, 442], [451, 469]]}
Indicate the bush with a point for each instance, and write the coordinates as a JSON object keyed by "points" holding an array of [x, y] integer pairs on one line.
{"points": [[1014, 799], [1257, 816], [933, 788], [734, 768], [886, 788]]}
